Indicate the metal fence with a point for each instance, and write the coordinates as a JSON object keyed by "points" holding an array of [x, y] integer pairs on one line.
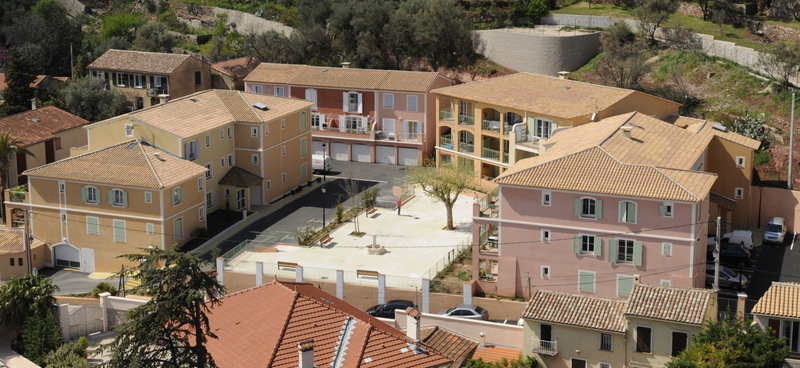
{"points": [[445, 262], [408, 188], [260, 241], [727, 307], [85, 319]]}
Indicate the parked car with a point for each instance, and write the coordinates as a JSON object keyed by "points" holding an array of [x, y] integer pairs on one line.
{"points": [[387, 309], [734, 255], [728, 278], [775, 231], [320, 163], [465, 311], [743, 238]]}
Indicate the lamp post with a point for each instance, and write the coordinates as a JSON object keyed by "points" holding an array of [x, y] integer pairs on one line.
{"points": [[323, 207], [324, 169]]}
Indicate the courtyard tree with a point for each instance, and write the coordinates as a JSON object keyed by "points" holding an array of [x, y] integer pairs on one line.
{"points": [[651, 13], [442, 184], [8, 146], [172, 328], [26, 297], [41, 335]]}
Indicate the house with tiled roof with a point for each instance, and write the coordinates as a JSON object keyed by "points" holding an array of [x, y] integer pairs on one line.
{"points": [[230, 74], [13, 256], [491, 124], [604, 201], [779, 310], [363, 115], [645, 330], [283, 324], [40, 84], [151, 78]]}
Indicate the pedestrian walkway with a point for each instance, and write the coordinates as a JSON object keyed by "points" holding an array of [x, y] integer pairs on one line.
{"points": [[9, 357]]}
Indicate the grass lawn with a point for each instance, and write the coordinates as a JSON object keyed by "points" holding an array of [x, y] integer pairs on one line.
{"points": [[584, 8]]}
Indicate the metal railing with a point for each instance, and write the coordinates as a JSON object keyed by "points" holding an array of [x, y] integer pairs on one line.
{"points": [[507, 128], [447, 115], [491, 154], [544, 347], [528, 140], [466, 147], [446, 141], [505, 157], [466, 120], [491, 125]]}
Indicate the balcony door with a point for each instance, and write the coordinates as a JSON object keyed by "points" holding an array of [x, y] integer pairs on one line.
{"points": [[546, 333], [577, 363]]}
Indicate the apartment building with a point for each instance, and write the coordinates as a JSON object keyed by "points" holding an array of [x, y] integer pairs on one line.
{"points": [[362, 115], [90, 208], [648, 329], [151, 78], [777, 309], [491, 124], [13, 257]]}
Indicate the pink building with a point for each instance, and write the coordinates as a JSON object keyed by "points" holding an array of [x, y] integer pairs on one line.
{"points": [[362, 115], [605, 201]]}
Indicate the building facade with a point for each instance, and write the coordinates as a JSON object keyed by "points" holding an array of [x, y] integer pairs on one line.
{"points": [[13, 257], [777, 310], [360, 115]]}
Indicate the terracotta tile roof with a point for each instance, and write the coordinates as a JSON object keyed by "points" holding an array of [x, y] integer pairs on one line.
{"points": [[49, 121], [541, 94], [684, 305], [203, 111], [782, 300], [132, 163], [139, 62], [12, 241], [495, 354], [39, 79], [452, 345], [263, 325], [239, 67], [240, 178], [303, 75], [577, 310], [693, 124]]}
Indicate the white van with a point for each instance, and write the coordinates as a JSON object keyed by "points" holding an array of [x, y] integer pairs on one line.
{"points": [[775, 231], [320, 163], [743, 238]]}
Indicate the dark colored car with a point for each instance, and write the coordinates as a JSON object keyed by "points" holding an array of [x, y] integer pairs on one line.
{"points": [[387, 310], [734, 255]]}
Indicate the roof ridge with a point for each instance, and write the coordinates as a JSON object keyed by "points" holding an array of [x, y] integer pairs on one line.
{"points": [[71, 158], [285, 324], [249, 106], [583, 296], [579, 82], [620, 126], [363, 349], [659, 170], [150, 165]]}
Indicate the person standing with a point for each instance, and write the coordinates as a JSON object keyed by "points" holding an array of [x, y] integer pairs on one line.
{"points": [[399, 204]]}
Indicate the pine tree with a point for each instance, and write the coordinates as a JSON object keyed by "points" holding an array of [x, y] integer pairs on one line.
{"points": [[19, 76], [40, 336]]}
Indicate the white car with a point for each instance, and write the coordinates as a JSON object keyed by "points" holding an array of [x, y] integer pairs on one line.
{"points": [[743, 238]]}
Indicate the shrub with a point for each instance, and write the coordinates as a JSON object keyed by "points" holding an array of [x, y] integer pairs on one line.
{"points": [[339, 213], [103, 287], [752, 127], [305, 235], [70, 355], [762, 157], [370, 196]]}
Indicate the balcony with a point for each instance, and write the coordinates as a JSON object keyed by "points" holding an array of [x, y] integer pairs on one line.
{"points": [[505, 157], [446, 141], [465, 147], [544, 347], [491, 154], [491, 125], [528, 140], [447, 115], [466, 120], [163, 90], [17, 196]]}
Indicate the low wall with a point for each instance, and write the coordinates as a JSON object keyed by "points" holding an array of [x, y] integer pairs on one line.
{"points": [[775, 202], [76, 301], [494, 333]]}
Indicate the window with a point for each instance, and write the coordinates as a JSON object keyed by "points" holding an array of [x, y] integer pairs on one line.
{"points": [[666, 209], [178, 223], [283, 123], [303, 147], [129, 130], [222, 134], [283, 150], [303, 170], [546, 272], [92, 225], [12, 260], [627, 212], [57, 143], [625, 250], [586, 281], [544, 128], [545, 236], [208, 173], [412, 128], [254, 132], [202, 212], [546, 196], [120, 79], [269, 184], [666, 249], [148, 197], [139, 81], [603, 365], [739, 193], [255, 159], [119, 231], [230, 160], [679, 342], [589, 208], [64, 217], [210, 199], [665, 283], [352, 102], [644, 339], [177, 196], [388, 100], [19, 261], [222, 161], [200, 184], [208, 140], [411, 103], [118, 197], [303, 120], [227, 193], [150, 228], [606, 341], [197, 78], [284, 177], [230, 133], [587, 244], [90, 195], [257, 89], [316, 119], [740, 161], [191, 150], [62, 187], [266, 129], [311, 95], [279, 91], [624, 285]]}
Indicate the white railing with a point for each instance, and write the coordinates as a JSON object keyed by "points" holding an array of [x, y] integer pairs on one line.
{"points": [[544, 347]]}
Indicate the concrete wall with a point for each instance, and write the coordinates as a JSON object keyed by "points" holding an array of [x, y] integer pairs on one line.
{"points": [[494, 333], [545, 53], [771, 202]]}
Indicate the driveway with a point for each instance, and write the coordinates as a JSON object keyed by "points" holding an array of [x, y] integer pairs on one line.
{"points": [[775, 263], [74, 282]]}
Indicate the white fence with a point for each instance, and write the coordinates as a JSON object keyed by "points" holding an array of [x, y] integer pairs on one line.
{"points": [[88, 318], [85, 319]]}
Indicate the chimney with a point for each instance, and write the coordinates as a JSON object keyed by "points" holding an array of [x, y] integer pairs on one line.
{"points": [[306, 348], [563, 75], [626, 131], [741, 298], [345, 65], [636, 279], [33, 103], [413, 325]]}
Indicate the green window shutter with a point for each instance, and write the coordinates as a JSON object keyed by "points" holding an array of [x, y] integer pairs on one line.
{"points": [[612, 250], [576, 245], [99, 195], [637, 253], [110, 196], [83, 194], [119, 230], [181, 194], [124, 198], [92, 225], [172, 196], [623, 212], [624, 285], [598, 209], [662, 210], [598, 246], [577, 207], [586, 280]]}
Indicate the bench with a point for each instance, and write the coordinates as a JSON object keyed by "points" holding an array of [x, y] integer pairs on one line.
{"points": [[325, 239], [371, 210], [360, 273], [291, 265]]}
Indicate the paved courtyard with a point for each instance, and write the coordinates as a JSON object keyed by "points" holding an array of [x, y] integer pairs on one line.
{"points": [[416, 246]]}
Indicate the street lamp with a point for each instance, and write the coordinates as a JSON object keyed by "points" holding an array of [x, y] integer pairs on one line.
{"points": [[324, 164], [323, 207]]}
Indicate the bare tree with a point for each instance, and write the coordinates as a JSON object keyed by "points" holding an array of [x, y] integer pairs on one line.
{"points": [[351, 189], [651, 13], [623, 63], [781, 62], [443, 184]]}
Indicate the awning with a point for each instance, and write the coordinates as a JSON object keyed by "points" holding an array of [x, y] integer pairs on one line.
{"points": [[723, 201], [240, 178]]}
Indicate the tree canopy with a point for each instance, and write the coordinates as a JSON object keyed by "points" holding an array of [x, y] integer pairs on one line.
{"points": [[153, 37], [87, 99], [442, 184], [19, 76], [24, 297]]}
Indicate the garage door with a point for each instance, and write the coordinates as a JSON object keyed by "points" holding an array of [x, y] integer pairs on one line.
{"points": [[339, 152], [67, 256], [385, 155], [408, 156], [316, 146], [361, 153]]}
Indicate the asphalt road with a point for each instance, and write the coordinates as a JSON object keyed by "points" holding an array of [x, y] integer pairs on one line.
{"points": [[775, 263], [74, 282]]}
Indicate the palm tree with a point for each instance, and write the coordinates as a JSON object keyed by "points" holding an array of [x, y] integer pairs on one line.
{"points": [[24, 297], [8, 146]]}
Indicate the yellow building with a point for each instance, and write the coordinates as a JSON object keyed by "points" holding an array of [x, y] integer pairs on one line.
{"points": [[150, 78], [92, 207], [13, 257], [493, 123], [777, 310]]}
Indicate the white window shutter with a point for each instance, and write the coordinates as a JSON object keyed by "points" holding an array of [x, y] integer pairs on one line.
{"points": [[419, 127], [345, 100], [553, 126], [362, 124], [360, 103], [322, 123], [342, 124], [405, 128]]}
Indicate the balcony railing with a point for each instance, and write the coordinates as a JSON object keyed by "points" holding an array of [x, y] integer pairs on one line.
{"points": [[466, 120], [507, 128], [544, 347], [505, 157], [446, 141], [491, 154], [491, 125], [155, 91], [528, 140], [466, 147], [447, 115]]}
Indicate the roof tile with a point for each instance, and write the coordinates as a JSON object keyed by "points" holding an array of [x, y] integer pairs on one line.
{"points": [[674, 304], [577, 310], [139, 61], [12, 241], [39, 125], [782, 299]]}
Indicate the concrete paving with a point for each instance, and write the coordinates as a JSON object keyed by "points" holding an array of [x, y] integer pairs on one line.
{"points": [[415, 242]]}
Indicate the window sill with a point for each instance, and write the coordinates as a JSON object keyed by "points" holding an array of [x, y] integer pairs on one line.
{"points": [[626, 264], [588, 217], [118, 205], [588, 254]]}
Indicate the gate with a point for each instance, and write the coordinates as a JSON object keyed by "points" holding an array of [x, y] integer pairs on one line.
{"points": [[85, 319]]}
